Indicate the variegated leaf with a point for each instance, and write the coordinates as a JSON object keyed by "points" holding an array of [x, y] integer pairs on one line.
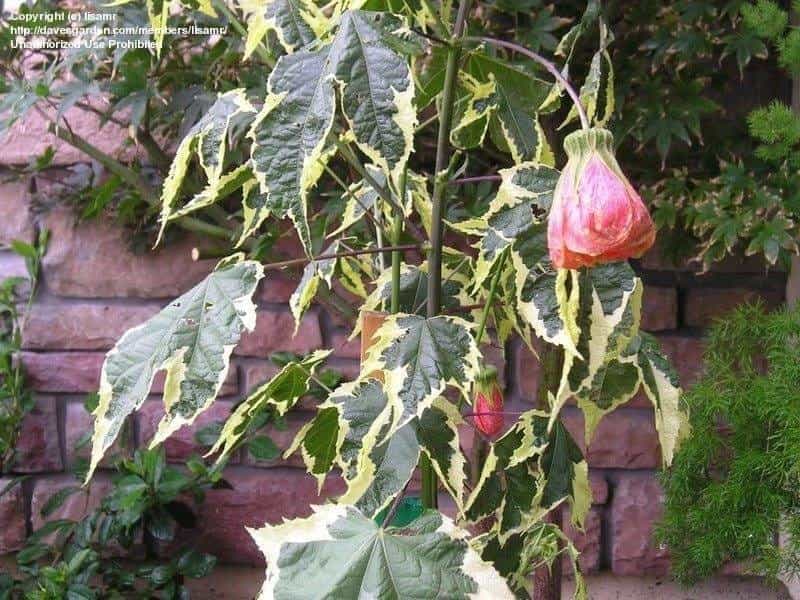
{"points": [[517, 557], [347, 424], [281, 393], [514, 125], [216, 190], [660, 383], [314, 273], [289, 135], [207, 139], [340, 553], [437, 432], [566, 474], [419, 357], [471, 121], [511, 484], [192, 340], [608, 314], [296, 23]]}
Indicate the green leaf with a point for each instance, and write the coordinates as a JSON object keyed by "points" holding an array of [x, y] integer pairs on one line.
{"points": [[511, 484], [660, 383], [207, 139], [196, 564], [296, 23], [384, 471], [314, 273], [290, 146], [281, 392], [192, 339], [419, 358], [513, 123], [57, 500], [347, 424], [566, 474], [609, 300], [437, 433], [340, 553], [263, 448]]}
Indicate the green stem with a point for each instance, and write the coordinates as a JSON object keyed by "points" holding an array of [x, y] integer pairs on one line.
{"points": [[397, 232], [490, 300], [429, 482]]}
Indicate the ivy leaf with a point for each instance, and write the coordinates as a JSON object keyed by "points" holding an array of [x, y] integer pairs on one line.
{"points": [[419, 357], [660, 383], [207, 139], [340, 553], [281, 392], [192, 339], [290, 134]]}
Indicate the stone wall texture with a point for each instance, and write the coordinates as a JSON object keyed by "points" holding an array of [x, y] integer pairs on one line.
{"points": [[94, 288]]}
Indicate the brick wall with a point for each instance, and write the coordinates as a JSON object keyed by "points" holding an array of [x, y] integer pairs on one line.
{"points": [[94, 288]]}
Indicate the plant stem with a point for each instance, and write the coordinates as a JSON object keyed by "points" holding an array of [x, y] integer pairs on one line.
{"points": [[299, 261], [347, 153], [549, 66], [429, 481], [490, 300], [476, 179], [397, 231], [547, 580]]}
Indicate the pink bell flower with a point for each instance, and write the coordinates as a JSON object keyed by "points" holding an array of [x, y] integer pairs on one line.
{"points": [[597, 217]]}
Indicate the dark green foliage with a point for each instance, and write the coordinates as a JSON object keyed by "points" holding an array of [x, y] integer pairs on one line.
{"points": [[148, 503], [734, 483]]}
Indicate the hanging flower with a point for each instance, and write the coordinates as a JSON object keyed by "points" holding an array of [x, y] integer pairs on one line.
{"points": [[597, 216], [487, 403]]}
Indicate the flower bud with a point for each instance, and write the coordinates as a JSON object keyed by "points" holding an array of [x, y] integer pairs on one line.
{"points": [[597, 216], [487, 403]]}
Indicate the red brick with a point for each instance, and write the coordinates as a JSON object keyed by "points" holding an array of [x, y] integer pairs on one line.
{"points": [[93, 260], [181, 444], [636, 507], [659, 308], [258, 496], [79, 372], [599, 485], [275, 331], [588, 542], [67, 326], [75, 507], [29, 137], [703, 305], [12, 265], [276, 287], [686, 355], [528, 369], [12, 518], [624, 439], [344, 347], [77, 423], [15, 217], [38, 448]]}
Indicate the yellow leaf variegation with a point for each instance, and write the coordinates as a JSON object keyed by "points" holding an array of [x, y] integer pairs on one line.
{"points": [[281, 392], [419, 357], [207, 139], [192, 339], [341, 553], [295, 23]]}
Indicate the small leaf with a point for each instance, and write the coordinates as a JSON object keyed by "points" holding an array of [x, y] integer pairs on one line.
{"points": [[263, 448]]}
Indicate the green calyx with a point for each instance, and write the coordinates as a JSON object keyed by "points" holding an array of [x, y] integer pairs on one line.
{"points": [[487, 374], [584, 141]]}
